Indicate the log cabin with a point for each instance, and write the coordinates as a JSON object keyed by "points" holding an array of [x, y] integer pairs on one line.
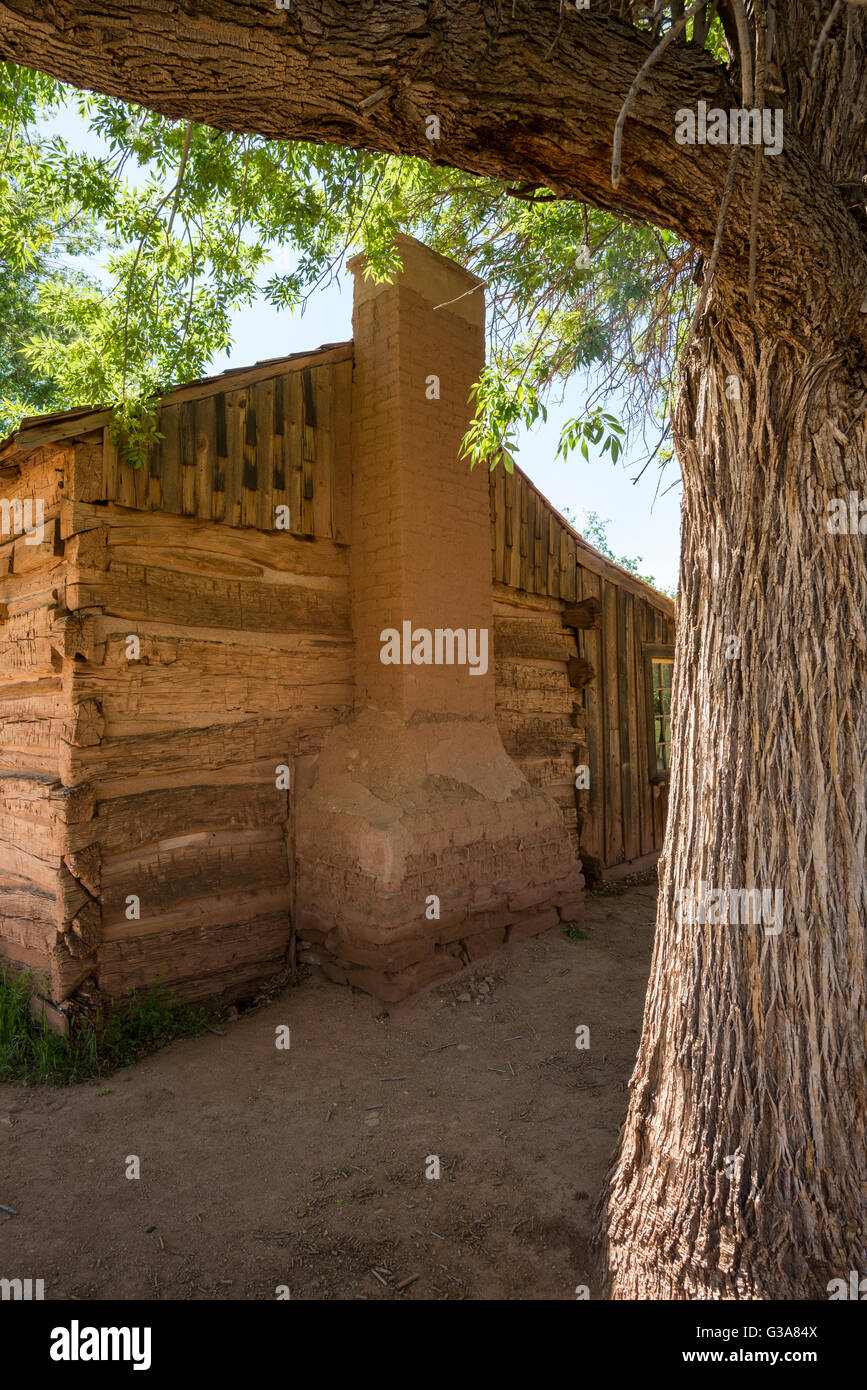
{"points": [[207, 770]]}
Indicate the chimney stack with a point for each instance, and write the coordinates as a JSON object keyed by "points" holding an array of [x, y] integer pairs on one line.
{"points": [[421, 845], [420, 521]]}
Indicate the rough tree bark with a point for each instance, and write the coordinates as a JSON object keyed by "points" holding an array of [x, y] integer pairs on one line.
{"points": [[742, 1164], [743, 1156]]}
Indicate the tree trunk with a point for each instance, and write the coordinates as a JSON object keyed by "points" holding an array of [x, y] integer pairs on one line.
{"points": [[741, 1161], [743, 1156]]}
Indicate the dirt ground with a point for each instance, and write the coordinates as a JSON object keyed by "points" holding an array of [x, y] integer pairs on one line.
{"points": [[305, 1168]]}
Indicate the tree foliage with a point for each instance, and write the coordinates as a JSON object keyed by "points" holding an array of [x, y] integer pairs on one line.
{"points": [[187, 221], [190, 219], [191, 224]]}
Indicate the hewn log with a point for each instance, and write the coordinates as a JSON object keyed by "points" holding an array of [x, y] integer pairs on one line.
{"points": [[85, 726], [534, 735], [154, 594], [217, 755], [128, 823], [584, 615], [196, 914], [210, 871], [199, 960], [537, 639], [85, 866], [581, 672], [80, 936]]}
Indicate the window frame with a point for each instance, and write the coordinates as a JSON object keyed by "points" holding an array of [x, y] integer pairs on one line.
{"points": [[655, 652]]}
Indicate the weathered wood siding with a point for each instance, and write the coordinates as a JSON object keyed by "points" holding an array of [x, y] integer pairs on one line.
{"points": [[236, 455], [150, 771], [548, 725], [622, 815], [533, 549], [541, 721], [38, 720]]}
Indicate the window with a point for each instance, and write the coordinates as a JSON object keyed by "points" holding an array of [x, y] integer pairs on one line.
{"points": [[658, 668]]}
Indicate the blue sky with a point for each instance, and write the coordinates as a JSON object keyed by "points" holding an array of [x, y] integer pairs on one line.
{"points": [[644, 517]]}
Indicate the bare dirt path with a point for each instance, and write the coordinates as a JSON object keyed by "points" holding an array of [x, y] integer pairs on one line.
{"points": [[248, 1184]]}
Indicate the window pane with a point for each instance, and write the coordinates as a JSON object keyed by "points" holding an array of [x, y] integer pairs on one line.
{"points": [[661, 673]]}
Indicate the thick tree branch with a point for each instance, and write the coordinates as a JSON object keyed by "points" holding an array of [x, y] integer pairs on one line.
{"points": [[509, 107]]}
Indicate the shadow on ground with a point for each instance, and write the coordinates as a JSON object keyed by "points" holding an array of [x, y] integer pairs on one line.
{"points": [[306, 1168]]}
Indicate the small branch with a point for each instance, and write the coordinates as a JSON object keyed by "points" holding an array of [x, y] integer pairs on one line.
{"points": [[13, 118], [557, 35], [183, 164], [527, 197], [701, 28], [369, 103], [744, 51], [670, 34], [714, 257], [823, 36], [770, 40], [649, 461], [144, 236]]}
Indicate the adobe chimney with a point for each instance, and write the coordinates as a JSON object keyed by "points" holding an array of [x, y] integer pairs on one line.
{"points": [[420, 843], [420, 520]]}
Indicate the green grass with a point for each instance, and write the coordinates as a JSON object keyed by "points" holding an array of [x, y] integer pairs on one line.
{"points": [[32, 1052], [574, 933]]}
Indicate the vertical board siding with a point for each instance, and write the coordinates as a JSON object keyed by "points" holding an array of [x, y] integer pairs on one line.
{"points": [[645, 798], [590, 647], [621, 816], [236, 455], [610, 694]]}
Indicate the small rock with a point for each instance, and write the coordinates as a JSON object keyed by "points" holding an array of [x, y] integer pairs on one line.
{"points": [[463, 999]]}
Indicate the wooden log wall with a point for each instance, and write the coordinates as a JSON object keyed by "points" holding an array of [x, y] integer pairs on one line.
{"points": [[168, 653], [570, 695], [39, 901], [541, 721]]}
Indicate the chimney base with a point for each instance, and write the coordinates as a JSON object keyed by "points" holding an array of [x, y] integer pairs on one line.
{"points": [[422, 847]]}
